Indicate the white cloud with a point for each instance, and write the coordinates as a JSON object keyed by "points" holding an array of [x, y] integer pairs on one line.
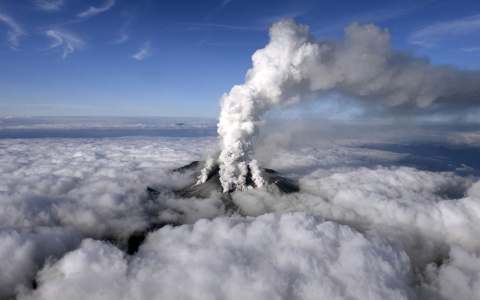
{"points": [[50, 5], [15, 30], [144, 52], [290, 256], [102, 193], [457, 278], [122, 38], [430, 35], [105, 123], [475, 49], [22, 252], [386, 225], [471, 139], [92, 11], [407, 206], [95, 187], [474, 190], [211, 26], [123, 34], [64, 40]]}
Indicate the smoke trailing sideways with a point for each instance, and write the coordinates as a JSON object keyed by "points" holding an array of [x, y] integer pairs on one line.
{"points": [[294, 67]]}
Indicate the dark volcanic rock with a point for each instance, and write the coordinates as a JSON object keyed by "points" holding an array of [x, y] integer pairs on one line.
{"points": [[278, 184], [203, 190], [194, 165], [152, 194], [274, 183]]}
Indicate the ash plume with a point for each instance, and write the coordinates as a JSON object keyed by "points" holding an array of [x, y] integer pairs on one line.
{"points": [[294, 67]]}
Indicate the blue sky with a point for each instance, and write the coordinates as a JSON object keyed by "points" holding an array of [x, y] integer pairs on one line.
{"points": [[176, 58]]}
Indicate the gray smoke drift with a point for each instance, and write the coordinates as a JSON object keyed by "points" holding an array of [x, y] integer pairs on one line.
{"points": [[294, 67]]}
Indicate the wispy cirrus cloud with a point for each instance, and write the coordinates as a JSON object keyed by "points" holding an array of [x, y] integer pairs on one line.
{"points": [[123, 34], [474, 49], [211, 26], [290, 14], [14, 32], [145, 51], [49, 5], [122, 37], [92, 11], [431, 35], [374, 16], [64, 40], [218, 9]]}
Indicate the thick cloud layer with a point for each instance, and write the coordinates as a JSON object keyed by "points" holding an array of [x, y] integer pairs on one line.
{"points": [[392, 232], [22, 252], [55, 191], [294, 66], [407, 206], [96, 186], [459, 278], [290, 256], [101, 127]]}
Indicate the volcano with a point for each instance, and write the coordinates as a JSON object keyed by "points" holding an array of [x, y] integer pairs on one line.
{"points": [[274, 183]]}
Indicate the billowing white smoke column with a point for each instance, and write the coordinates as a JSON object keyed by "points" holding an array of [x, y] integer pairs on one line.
{"points": [[293, 66]]}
